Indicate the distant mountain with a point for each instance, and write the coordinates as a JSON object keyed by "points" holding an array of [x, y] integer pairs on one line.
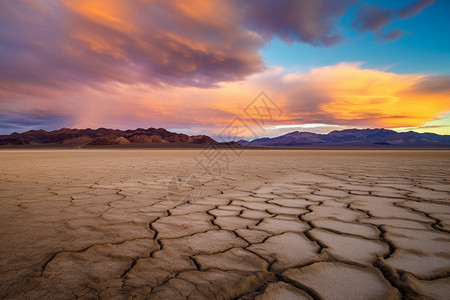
{"points": [[354, 138], [100, 137], [349, 138]]}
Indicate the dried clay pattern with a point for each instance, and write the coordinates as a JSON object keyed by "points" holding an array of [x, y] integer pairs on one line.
{"points": [[296, 225]]}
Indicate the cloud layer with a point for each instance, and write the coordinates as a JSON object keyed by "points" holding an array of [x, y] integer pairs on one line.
{"points": [[199, 43], [194, 64], [312, 22], [346, 95], [159, 42], [195, 43]]}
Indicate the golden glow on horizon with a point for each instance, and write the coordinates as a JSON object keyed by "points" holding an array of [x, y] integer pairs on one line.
{"points": [[386, 98], [347, 93]]}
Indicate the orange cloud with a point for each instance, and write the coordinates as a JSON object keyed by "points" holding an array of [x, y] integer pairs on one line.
{"points": [[377, 98], [111, 13], [344, 95]]}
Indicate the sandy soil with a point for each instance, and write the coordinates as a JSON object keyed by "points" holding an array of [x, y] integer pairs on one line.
{"points": [[298, 224]]}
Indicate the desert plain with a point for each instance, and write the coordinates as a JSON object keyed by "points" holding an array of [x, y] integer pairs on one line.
{"points": [[262, 224]]}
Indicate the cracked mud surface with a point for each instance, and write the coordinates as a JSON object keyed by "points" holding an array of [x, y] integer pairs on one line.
{"points": [[276, 225]]}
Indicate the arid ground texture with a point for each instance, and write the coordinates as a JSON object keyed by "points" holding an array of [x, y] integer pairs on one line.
{"points": [[274, 224]]}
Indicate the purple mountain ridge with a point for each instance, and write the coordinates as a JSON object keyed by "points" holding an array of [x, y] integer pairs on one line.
{"points": [[101, 136], [348, 138], [354, 138]]}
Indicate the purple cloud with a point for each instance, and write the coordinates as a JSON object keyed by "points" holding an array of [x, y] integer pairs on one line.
{"points": [[53, 44], [311, 22], [372, 17], [390, 35], [71, 44], [414, 9]]}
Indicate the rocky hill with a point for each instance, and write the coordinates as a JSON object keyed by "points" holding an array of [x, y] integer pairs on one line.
{"points": [[101, 136]]}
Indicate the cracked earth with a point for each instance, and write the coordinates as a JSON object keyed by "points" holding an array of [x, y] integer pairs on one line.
{"points": [[275, 225]]}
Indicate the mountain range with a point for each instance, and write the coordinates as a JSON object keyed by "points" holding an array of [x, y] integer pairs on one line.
{"points": [[354, 138], [101, 137], [378, 138]]}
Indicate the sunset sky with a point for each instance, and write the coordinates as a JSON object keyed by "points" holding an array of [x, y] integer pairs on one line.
{"points": [[194, 66]]}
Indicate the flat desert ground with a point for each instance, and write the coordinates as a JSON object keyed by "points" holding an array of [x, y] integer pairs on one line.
{"points": [[274, 224]]}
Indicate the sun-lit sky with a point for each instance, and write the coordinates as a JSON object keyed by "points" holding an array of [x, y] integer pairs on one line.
{"points": [[194, 66]]}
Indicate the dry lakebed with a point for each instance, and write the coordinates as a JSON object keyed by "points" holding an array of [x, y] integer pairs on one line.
{"points": [[258, 224]]}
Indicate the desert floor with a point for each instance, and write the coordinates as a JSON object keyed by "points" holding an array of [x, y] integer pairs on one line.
{"points": [[274, 224]]}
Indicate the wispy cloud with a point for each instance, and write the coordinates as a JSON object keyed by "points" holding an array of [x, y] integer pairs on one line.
{"points": [[372, 18], [414, 8], [314, 125]]}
